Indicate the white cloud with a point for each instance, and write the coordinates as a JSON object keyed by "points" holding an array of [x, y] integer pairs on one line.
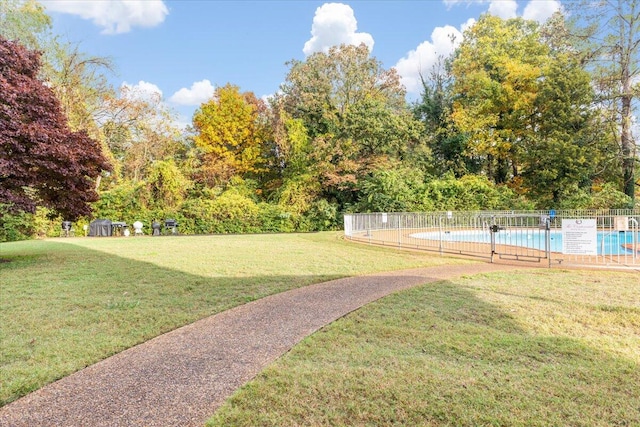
{"points": [[541, 10], [470, 23], [504, 9], [425, 56], [450, 3], [420, 61], [535, 10], [143, 91], [335, 24], [199, 92], [114, 16]]}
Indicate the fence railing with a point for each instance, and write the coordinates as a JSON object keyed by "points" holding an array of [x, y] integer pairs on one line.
{"points": [[555, 238]]}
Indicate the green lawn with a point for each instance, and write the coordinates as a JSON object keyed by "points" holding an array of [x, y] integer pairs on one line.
{"points": [[541, 348], [545, 347], [68, 303]]}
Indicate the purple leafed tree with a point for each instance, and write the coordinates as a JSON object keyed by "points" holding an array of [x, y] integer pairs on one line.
{"points": [[42, 162]]}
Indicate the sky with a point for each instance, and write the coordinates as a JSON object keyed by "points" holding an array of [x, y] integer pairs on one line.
{"points": [[184, 49]]}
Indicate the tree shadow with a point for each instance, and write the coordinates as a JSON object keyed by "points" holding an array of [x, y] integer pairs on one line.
{"points": [[64, 307], [439, 355]]}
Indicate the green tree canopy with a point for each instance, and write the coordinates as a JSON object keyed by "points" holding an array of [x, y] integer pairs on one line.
{"points": [[524, 101], [355, 114], [613, 54]]}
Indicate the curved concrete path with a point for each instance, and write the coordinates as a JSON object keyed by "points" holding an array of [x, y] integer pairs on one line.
{"points": [[180, 378]]}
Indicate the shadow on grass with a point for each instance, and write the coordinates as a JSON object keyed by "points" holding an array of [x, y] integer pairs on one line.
{"points": [[439, 355], [64, 307]]}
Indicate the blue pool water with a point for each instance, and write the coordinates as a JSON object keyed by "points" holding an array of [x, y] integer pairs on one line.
{"points": [[609, 243]]}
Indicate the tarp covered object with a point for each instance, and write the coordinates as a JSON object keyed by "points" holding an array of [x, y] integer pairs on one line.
{"points": [[100, 227]]}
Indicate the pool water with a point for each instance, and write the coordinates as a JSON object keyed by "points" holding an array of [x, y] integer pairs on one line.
{"points": [[609, 243]]}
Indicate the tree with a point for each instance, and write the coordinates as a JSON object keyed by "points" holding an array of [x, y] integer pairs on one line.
{"points": [[525, 102], [26, 22], [231, 131], [392, 190], [433, 109], [354, 112], [562, 151], [497, 69], [75, 78], [139, 130], [42, 162], [78, 82], [613, 28]]}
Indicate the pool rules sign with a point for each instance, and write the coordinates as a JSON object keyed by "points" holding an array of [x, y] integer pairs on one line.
{"points": [[579, 237]]}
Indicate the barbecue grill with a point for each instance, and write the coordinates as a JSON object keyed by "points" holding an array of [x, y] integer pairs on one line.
{"points": [[155, 226], [66, 228], [171, 225]]}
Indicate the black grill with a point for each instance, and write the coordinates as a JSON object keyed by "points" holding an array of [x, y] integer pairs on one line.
{"points": [[171, 226]]}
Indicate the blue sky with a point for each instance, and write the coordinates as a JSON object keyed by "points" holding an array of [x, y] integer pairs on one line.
{"points": [[184, 49]]}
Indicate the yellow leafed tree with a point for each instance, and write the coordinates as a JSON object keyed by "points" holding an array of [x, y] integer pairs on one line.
{"points": [[230, 132]]}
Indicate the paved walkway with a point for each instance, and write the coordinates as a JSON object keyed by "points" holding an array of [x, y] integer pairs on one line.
{"points": [[180, 378]]}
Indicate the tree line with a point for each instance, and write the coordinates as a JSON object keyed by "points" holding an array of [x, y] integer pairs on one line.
{"points": [[521, 116]]}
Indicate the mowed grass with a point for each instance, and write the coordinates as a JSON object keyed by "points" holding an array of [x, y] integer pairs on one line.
{"points": [[534, 348], [68, 303]]}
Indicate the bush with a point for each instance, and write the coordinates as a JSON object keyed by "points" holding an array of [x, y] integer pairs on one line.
{"points": [[321, 216], [228, 213], [126, 201], [167, 185], [609, 197], [15, 225], [274, 219], [391, 190], [470, 192]]}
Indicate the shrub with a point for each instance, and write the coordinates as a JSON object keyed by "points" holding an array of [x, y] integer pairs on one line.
{"points": [[167, 185], [391, 190], [126, 201], [609, 197], [470, 192], [228, 213], [15, 225], [321, 216]]}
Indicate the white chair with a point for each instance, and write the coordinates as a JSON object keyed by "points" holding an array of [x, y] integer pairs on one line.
{"points": [[137, 228]]}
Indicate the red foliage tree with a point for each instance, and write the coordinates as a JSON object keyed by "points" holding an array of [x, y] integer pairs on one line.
{"points": [[42, 162]]}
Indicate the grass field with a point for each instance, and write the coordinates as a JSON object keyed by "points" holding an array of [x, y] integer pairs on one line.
{"points": [[68, 303], [542, 348], [536, 348]]}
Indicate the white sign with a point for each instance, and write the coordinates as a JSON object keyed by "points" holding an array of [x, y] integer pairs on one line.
{"points": [[579, 237], [384, 218]]}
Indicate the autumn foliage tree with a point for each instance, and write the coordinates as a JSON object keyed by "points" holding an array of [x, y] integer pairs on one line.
{"points": [[355, 115], [42, 162], [524, 102], [231, 133]]}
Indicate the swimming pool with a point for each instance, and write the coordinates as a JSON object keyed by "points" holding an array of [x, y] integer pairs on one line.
{"points": [[609, 242]]}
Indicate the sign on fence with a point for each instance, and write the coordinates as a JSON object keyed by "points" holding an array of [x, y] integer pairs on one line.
{"points": [[579, 237]]}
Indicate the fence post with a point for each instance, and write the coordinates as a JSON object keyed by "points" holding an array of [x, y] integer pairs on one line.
{"points": [[547, 239], [634, 239], [440, 234]]}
